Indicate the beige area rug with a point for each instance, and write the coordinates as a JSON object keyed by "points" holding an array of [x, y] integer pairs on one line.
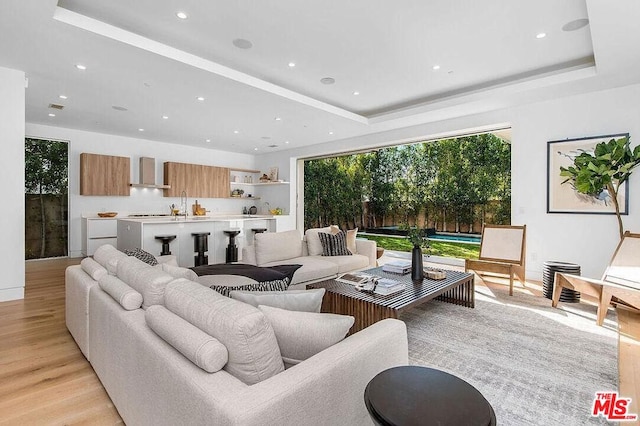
{"points": [[535, 364]]}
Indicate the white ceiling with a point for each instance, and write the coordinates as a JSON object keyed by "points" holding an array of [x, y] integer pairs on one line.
{"points": [[140, 56]]}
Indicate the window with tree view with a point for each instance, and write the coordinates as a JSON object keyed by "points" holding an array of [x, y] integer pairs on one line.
{"points": [[46, 198]]}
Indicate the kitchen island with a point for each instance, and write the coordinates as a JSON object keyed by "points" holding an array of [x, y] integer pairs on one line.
{"points": [[142, 232]]}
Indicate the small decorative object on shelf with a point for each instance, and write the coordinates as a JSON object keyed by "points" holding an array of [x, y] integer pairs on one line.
{"points": [[264, 178], [273, 174], [277, 211], [108, 214], [237, 192]]}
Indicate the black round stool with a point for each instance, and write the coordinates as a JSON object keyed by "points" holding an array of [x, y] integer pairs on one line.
{"points": [[232, 249], [200, 246], [549, 270], [259, 230], [166, 239]]}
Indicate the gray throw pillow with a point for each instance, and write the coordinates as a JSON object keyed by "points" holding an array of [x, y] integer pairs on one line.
{"points": [[334, 244], [291, 300], [301, 335]]}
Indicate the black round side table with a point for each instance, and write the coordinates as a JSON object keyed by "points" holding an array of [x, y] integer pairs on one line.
{"points": [[549, 269], [414, 395]]}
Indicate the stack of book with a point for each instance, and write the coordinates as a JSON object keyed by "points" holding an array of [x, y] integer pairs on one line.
{"points": [[385, 286], [397, 267]]}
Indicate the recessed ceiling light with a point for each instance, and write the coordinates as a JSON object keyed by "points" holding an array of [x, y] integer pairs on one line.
{"points": [[575, 25], [436, 67], [356, 93], [62, 97], [165, 117], [200, 98], [292, 64], [327, 80], [208, 140], [330, 133], [182, 15], [541, 35], [255, 149], [278, 119], [51, 114], [81, 67], [286, 142], [119, 108], [236, 131], [241, 43], [141, 129]]}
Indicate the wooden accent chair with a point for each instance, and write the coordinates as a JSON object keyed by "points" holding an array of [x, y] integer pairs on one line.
{"points": [[621, 279], [502, 251]]}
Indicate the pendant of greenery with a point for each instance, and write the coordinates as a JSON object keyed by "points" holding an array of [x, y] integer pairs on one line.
{"points": [[606, 169], [416, 236]]}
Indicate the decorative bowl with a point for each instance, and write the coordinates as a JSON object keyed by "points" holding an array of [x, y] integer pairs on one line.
{"points": [[108, 214]]}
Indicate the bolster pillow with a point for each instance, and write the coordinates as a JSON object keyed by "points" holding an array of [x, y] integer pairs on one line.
{"points": [[93, 268], [197, 346], [127, 297]]}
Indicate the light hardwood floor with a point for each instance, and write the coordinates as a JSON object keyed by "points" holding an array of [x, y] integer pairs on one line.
{"points": [[45, 379]]}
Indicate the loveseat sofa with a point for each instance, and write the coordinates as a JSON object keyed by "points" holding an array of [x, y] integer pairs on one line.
{"points": [[279, 248], [217, 361]]}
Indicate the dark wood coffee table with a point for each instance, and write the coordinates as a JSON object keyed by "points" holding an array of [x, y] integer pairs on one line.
{"points": [[413, 395], [367, 308]]}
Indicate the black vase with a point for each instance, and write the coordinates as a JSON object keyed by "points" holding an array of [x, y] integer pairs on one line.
{"points": [[417, 271]]}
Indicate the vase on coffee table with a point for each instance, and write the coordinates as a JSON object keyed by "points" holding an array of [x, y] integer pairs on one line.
{"points": [[417, 269]]}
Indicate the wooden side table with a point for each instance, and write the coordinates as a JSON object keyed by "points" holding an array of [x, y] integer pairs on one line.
{"points": [[414, 395]]}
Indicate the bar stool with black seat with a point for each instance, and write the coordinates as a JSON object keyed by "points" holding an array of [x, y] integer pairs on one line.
{"points": [[232, 248], [166, 239], [200, 247]]}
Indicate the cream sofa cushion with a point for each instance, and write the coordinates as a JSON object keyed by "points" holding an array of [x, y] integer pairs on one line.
{"points": [[303, 334], [127, 297], [291, 300], [277, 246], [108, 256], [254, 354], [93, 268], [179, 272], [145, 279], [197, 346], [313, 268]]}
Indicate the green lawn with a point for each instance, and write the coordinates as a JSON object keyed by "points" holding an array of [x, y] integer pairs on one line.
{"points": [[438, 248]]}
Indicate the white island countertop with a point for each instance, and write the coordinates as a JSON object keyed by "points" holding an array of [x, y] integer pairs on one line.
{"points": [[182, 219]]}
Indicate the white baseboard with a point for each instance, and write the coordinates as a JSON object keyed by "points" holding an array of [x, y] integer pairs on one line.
{"points": [[15, 293]]}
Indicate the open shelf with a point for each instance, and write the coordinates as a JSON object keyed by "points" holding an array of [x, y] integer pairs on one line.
{"points": [[259, 183]]}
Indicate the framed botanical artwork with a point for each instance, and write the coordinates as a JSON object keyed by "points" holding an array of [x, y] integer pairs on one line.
{"points": [[563, 198]]}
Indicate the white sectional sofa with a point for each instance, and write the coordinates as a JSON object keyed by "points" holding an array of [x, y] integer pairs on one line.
{"points": [[155, 380], [279, 248]]}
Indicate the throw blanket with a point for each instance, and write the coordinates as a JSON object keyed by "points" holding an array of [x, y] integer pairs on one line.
{"points": [[260, 274]]}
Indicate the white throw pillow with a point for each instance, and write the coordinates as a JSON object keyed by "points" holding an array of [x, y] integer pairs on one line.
{"points": [[314, 246], [291, 300], [197, 346], [301, 335], [351, 240]]}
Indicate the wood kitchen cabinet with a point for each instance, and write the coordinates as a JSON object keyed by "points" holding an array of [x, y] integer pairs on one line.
{"points": [[104, 175], [196, 180]]}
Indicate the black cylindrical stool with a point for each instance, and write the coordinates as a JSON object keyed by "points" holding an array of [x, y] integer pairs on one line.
{"points": [[200, 246], [549, 270], [166, 239], [259, 230], [232, 249]]}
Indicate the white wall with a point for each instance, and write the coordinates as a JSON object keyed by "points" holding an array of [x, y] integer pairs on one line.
{"points": [[588, 240], [12, 111], [141, 200]]}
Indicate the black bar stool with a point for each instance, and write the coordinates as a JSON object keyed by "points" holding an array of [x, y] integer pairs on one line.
{"points": [[166, 239], [200, 246], [258, 230], [232, 249]]}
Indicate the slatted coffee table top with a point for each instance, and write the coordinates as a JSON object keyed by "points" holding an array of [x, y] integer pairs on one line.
{"points": [[413, 294]]}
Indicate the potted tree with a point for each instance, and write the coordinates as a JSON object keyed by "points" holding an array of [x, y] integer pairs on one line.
{"points": [[604, 170]]}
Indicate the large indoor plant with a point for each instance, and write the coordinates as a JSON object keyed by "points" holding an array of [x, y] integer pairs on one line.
{"points": [[605, 170]]}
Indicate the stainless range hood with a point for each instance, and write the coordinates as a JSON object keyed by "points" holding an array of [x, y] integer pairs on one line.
{"points": [[148, 175]]}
